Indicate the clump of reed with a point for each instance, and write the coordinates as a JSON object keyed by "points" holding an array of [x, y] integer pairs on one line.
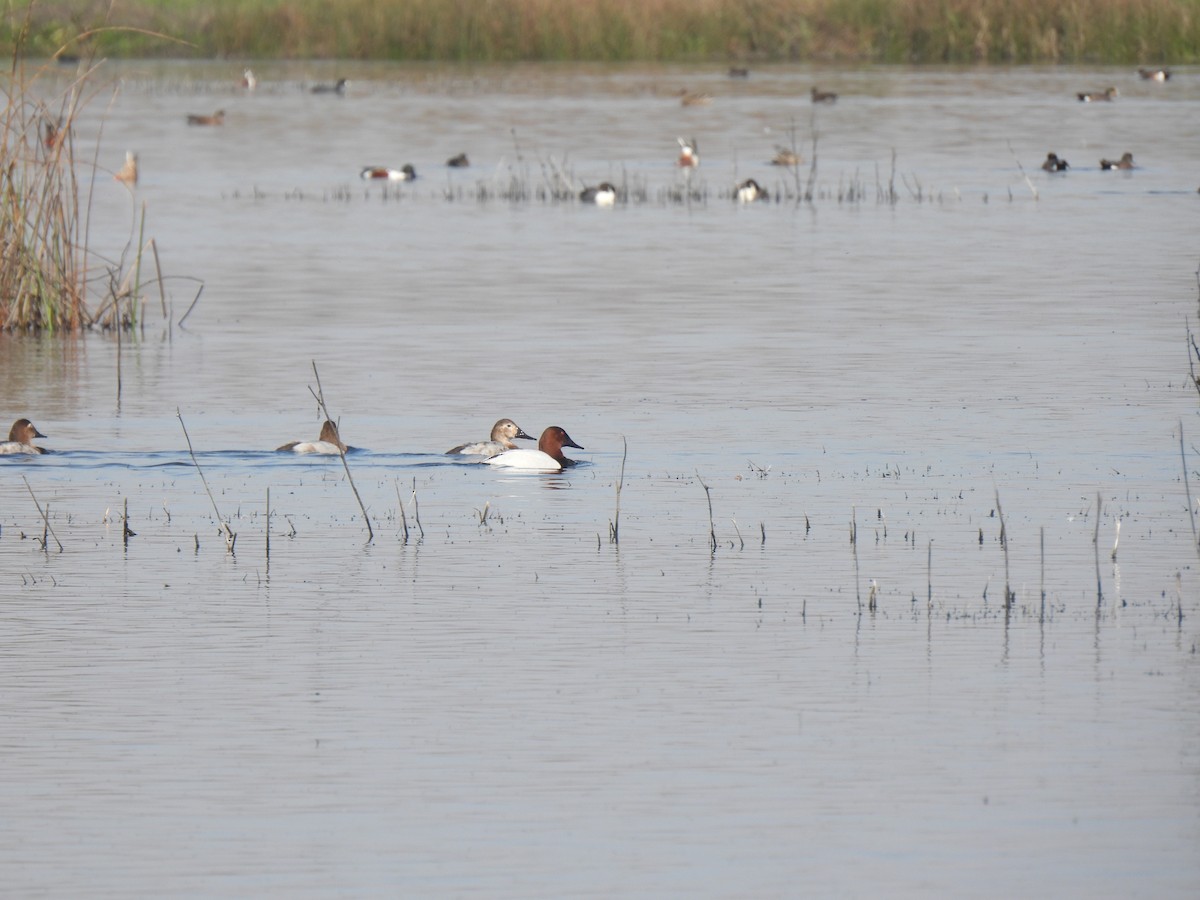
{"points": [[892, 31], [47, 274]]}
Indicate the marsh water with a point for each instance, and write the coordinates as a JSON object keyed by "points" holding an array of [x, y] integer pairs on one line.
{"points": [[849, 397]]}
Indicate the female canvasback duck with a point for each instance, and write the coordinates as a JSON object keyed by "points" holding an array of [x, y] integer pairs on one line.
{"points": [[1054, 164], [329, 443], [129, 172], [1155, 74], [1125, 162], [20, 439], [217, 118], [380, 173], [548, 457], [503, 433], [823, 96], [689, 155], [749, 191], [339, 88], [602, 195], [1103, 96], [249, 80]]}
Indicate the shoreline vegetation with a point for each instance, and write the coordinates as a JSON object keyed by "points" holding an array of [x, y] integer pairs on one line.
{"points": [[727, 31]]}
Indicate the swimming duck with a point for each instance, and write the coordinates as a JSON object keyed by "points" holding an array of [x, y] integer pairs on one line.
{"points": [[689, 155], [217, 118], [503, 433], [1155, 74], [1125, 162], [749, 191], [819, 96], [548, 457], [603, 194], [20, 439], [738, 72], [339, 88], [249, 80], [383, 173], [786, 157], [1105, 95], [694, 98], [1054, 164], [129, 171], [329, 443], [458, 162]]}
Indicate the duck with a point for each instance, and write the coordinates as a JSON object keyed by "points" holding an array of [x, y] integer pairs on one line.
{"points": [[249, 80], [749, 191], [689, 155], [383, 173], [20, 439], [339, 88], [786, 157], [1155, 74], [1125, 162], [503, 434], [328, 444], [1104, 96], [603, 194], [53, 134], [694, 98], [128, 172], [739, 72], [548, 457], [1054, 164], [819, 96], [458, 162], [217, 118]]}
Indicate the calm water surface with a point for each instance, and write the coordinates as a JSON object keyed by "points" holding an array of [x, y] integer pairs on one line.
{"points": [[507, 703]]}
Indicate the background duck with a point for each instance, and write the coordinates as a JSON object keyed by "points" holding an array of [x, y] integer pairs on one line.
{"points": [[338, 88], [749, 191], [1125, 162], [20, 439], [689, 155], [1155, 74], [1054, 164], [785, 157], [819, 96], [503, 434], [383, 173], [217, 118], [458, 162], [1104, 96], [604, 194], [128, 172], [329, 443]]}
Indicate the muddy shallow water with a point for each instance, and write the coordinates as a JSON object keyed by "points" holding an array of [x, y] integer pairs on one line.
{"points": [[509, 704]]}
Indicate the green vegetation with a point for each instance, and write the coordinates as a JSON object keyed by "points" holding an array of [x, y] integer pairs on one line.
{"points": [[885, 31]]}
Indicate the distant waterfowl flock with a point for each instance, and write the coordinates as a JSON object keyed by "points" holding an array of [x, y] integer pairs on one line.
{"points": [[605, 194], [499, 450]]}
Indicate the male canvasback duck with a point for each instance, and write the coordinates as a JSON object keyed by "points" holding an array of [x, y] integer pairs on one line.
{"points": [[786, 157], [1155, 74], [129, 171], [1104, 96], [749, 191], [20, 439], [217, 118], [382, 173], [1054, 164], [458, 162], [329, 443], [689, 155], [1125, 162], [249, 80], [602, 195], [819, 96], [339, 88], [503, 433], [548, 457]]}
